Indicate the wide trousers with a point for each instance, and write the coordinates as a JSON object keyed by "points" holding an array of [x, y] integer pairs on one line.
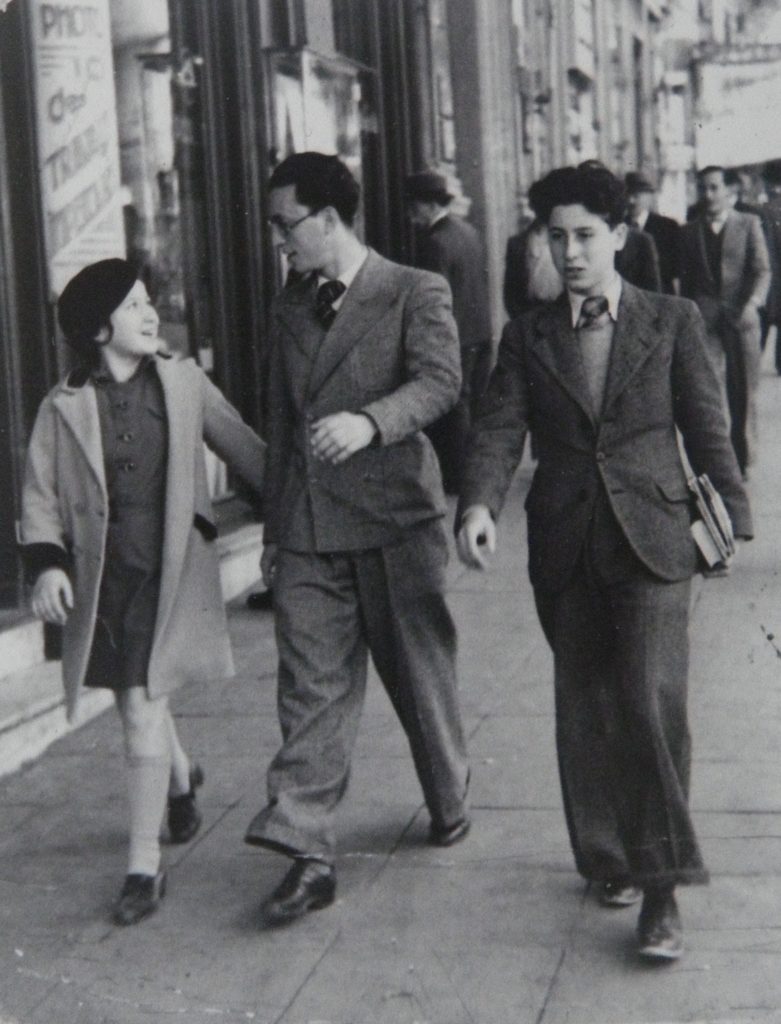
{"points": [[624, 749], [736, 356], [333, 610]]}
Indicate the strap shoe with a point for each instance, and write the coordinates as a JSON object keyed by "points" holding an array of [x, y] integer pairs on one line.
{"points": [[184, 816], [140, 897]]}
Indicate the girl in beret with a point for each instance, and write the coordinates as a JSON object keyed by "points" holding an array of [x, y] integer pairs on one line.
{"points": [[117, 533]]}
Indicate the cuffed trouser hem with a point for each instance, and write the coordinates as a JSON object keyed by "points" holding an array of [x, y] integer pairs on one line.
{"points": [[669, 879], [281, 839]]}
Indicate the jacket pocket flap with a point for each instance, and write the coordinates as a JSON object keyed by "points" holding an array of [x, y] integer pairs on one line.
{"points": [[205, 527], [674, 490]]}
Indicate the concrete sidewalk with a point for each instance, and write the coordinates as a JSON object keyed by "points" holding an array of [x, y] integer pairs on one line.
{"points": [[498, 930]]}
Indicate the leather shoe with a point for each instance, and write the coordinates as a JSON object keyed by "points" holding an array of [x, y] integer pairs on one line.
{"points": [[140, 897], [308, 885], [441, 836], [659, 930], [184, 817], [618, 892]]}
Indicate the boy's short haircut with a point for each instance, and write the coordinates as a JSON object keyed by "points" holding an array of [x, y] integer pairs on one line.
{"points": [[590, 185], [320, 180]]}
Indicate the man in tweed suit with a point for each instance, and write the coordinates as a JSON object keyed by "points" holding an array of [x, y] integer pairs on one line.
{"points": [[603, 378], [725, 268], [364, 355]]}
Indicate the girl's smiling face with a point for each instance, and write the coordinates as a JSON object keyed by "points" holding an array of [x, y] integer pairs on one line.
{"points": [[134, 326]]}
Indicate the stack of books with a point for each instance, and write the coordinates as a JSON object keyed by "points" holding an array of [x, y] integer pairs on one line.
{"points": [[711, 527]]}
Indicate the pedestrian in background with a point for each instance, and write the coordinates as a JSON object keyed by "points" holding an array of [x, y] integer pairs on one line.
{"points": [[605, 378], [363, 356], [117, 532], [530, 276], [771, 175], [447, 245], [725, 269], [663, 230], [637, 261]]}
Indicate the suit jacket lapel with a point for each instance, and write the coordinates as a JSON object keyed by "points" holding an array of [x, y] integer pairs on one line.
{"points": [[701, 228], [303, 334], [363, 306], [633, 339], [79, 409], [555, 344], [730, 253]]}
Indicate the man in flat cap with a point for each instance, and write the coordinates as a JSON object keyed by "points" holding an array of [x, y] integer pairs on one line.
{"points": [[663, 230], [449, 246]]}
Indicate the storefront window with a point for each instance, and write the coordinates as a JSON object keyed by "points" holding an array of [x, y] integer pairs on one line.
{"points": [[316, 105], [120, 163]]}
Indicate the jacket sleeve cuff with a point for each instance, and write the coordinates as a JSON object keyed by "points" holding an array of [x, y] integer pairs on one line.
{"points": [[39, 557]]}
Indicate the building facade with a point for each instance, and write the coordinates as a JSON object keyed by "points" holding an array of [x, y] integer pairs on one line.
{"points": [[148, 130]]}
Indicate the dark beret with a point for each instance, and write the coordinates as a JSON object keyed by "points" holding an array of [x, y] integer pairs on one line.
{"points": [[88, 299]]}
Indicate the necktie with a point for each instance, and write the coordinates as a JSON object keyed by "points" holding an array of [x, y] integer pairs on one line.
{"points": [[593, 310], [327, 294]]}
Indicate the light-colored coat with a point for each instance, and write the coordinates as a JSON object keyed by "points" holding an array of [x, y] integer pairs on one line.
{"points": [[65, 503]]}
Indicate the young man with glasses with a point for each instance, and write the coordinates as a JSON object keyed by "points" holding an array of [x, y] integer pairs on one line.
{"points": [[364, 355]]}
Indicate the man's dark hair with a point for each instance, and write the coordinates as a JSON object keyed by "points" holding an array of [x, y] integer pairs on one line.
{"points": [[712, 169], [590, 184], [320, 181]]}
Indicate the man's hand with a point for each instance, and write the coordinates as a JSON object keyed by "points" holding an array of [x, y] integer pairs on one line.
{"points": [[52, 596], [477, 537], [335, 438], [268, 564]]}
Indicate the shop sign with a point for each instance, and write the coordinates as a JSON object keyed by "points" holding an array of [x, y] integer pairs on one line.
{"points": [[78, 146], [738, 122]]}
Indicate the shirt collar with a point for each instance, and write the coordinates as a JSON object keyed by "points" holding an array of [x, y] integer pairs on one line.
{"points": [[641, 219], [612, 293], [346, 277], [717, 223]]}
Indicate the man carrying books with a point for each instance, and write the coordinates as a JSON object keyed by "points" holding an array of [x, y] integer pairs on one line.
{"points": [[606, 378]]}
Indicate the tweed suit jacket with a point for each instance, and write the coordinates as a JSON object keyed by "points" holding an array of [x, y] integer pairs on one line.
{"points": [[392, 353], [452, 247], [659, 379], [745, 268]]}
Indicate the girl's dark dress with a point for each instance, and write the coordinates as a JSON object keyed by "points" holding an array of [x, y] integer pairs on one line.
{"points": [[134, 432]]}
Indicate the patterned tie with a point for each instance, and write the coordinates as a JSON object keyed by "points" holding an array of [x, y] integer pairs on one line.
{"points": [[592, 311], [327, 294]]}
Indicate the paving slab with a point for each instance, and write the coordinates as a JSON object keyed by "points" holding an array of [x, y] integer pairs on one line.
{"points": [[497, 930]]}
